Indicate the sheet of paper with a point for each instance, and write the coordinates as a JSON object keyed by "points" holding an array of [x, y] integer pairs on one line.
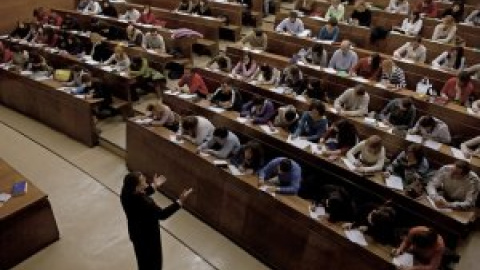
{"points": [[380, 85], [66, 89], [264, 189], [406, 60], [301, 98], [26, 72], [268, 130], [356, 236], [4, 197], [91, 62], [216, 109], [360, 79], [242, 120], [349, 164], [107, 68], [234, 170], [220, 162], [330, 70], [370, 121], [317, 213], [394, 182], [382, 125], [187, 96], [433, 144], [333, 110], [458, 154], [470, 111], [317, 149], [41, 78], [152, 51], [80, 96], [405, 259], [414, 138], [203, 154], [173, 138], [279, 90], [300, 143], [172, 93]]}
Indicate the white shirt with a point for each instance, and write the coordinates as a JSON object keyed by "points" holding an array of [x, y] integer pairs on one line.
{"points": [[407, 51], [131, 15], [444, 62], [93, 8], [411, 28], [443, 34], [352, 104], [400, 8]]}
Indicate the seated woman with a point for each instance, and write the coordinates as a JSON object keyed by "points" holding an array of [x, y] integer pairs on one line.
{"points": [[368, 67], [196, 129], [119, 59], [413, 50], [458, 89], [339, 139], [163, 116], [446, 31], [338, 203], [21, 31], [399, 113], [6, 54], [368, 156], [398, 6], [330, 31], [315, 90], [456, 10], [452, 59], [227, 97], [245, 68], [256, 40], [250, 158], [99, 51], [474, 17], [202, 8], [267, 75], [135, 36], [287, 118], [221, 62], [185, 6], [315, 55], [131, 14], [37, 63], [19, 57], [292, 78], [313, 124], [40, 36], [431, 128], [413, 167], [377, 221], [471, 147], [412, 25], [146, 78], [148, 17], [335, 10], [259, 110], [109, 10], [361, 14], [393, 77]]}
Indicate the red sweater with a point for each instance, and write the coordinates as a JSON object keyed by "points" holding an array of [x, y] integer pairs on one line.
{"points": [[449, 89], [364, 69], [195, 83], [431, 258], [431, 10]]}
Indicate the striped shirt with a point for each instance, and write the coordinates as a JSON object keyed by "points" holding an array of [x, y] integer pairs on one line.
{"points": [[396, 77]]}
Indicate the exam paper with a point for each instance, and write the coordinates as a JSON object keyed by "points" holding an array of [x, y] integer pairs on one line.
{"points": [[234, 170], [414, 138], [300, 143], [216, 109], [356, 236], [173, 138], [268, 130], [405, 259], [433, 144], [349, 164], [317, 213], [394, 182]]}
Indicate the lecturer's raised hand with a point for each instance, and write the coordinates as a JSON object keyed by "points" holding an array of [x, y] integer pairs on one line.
{"points": [[159, 180], [183, 197]]}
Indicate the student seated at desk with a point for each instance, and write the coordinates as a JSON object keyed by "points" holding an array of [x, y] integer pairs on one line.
{"points": [[286, 118], [267, 75], [40, 36], [69, 43], [471, 147], [458, 89], [281, 175], [411, 26], [361, 15], [223, 144], [413, 50], [453, 59], [315, 55], [37, 63], [227, 97], [291, 25], [21, 31], [185, 6], [92, 7], [76, 75], [131, 14], [109, 10], [445, 32], [454, 186], [393, 77], [221, 62], [163, 116], [367, 67], [330, 31], [305, 6], [315, 90], [259, 110], [148, 17], [154, 41], [250, 158], [339, 139], [398, 6], [54, 19], [428, 8], [313, 123], [413, 167], [202, 8], [399, 113], [99, 51], [292, 78], [353, 102], [119, 59], [376, 220], [456, 10], [134, 36], [146, 78], [196, 129], [246, 67], [474, 17], [344, 58], [256, 40], [94, 88], [193, 82], [338, 203], [52, 38], [368, 156], [335, 10], [431, 128], [19, 57], [6, 54], [70, 23]]}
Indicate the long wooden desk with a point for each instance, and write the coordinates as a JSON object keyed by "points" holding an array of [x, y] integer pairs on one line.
{"points": [[460, 122], [42, 101], [276, 230], [27, 223]]}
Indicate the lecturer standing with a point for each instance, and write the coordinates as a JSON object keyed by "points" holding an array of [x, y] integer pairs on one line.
{"points": [[143, 215]]}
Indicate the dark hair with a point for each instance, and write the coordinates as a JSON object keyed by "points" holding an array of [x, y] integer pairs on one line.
{"points": [[315, 83], [290, 115], [257, 100], [250, 60], [425, 239], [347, 133], [417, 151], [338, 205], [267, 71], [464, 77], [220, 132], [458, 60], [258, 32], [427, 121], [318, 48], [360, 89], [130, 183], [189, 122], [293, 14], [407, 102], [318, 106], [333, 21], [383, 217], [257, 152], [463, 166], [376, 60], [222, 63], [285, 165], [136, 63], [416, 16]]}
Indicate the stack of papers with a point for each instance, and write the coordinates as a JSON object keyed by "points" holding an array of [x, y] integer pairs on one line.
{"points": [[370, 121], [405, 260], [297, 142], [268, 130], [414, 138], [172, 93], [356, 236], [317, 212], [107, 68], [394, 182], [279, 90]]}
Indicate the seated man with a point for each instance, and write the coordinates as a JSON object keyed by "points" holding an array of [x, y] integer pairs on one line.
{"points": [[344, 58], [458, 89], [291, 25], [313, 124], [368, 156], [221, 62], [193, 82], [281, 175], [432, 128], [400, 113], [154, 41], [256, 40], [135, 36], [454, 186], [353, 102], [223, 144], [287, 118], [227, 97], [414, 51]]}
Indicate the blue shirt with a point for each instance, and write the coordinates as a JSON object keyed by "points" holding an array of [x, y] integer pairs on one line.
{"points": [[323, 34], [311, 129], [289, 183]]}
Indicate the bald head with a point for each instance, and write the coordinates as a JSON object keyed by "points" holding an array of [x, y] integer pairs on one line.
{"points": [[345, 46]]}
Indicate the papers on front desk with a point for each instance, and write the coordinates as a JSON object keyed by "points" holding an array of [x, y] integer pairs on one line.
{"points": [[394, 182], [433, 144], [173, 138], [216, 109], [297, 142], [405, 260], [234, 170], [356, 236], [267, 129], [349, 164], [414, 138], [172, 93], [316, 211], [187, 96], [458, 154]]}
